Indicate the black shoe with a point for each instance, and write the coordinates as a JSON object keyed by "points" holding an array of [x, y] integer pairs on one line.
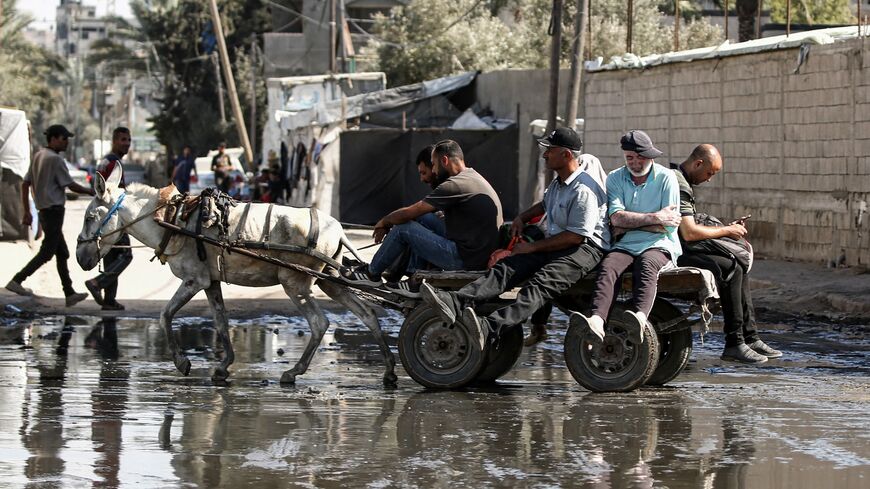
{"points": [[478, 327], [361, 276], [409, 287], [761, 347], [113, 306], [75, 298], [440, 302], [742, 353], [95, 291]]}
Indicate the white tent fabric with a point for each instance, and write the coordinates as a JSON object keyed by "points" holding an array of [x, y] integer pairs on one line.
{"points": [[14, 141]]}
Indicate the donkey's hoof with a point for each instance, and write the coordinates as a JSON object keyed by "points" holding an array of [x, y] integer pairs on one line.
{"points": [[220, 374], [289, 377], [183, 365], [391, 379]]}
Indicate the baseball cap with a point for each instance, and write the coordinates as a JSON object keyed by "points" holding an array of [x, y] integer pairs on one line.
{"points": [[639, 142], [563, 137], [57, 130]]}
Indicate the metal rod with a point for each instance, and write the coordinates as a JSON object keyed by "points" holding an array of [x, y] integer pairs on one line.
{"points": [[332, 61], [725, 12], [676, 25], [252, 123], [555, 55], [231, 83], [787, 18], [630, 24], [577, 63], [758, 20]]}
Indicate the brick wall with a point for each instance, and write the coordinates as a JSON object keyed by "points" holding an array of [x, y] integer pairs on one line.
{"points": [[796, 146]]}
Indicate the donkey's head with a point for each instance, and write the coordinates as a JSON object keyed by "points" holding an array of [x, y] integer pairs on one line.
{"points": [[101, 220]]}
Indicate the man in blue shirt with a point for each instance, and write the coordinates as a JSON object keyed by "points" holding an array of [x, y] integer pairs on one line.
{"points": [[643, 200], [577, 237], [184, 165]]}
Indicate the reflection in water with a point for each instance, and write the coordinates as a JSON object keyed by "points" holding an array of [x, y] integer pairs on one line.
{"points": [[340, 428]]}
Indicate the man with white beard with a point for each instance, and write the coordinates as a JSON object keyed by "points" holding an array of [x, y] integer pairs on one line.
{"points": [[643, 204]]}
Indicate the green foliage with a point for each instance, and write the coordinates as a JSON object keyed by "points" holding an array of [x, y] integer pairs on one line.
{"points": [[812, 12], [432, 38], [28, 71]]}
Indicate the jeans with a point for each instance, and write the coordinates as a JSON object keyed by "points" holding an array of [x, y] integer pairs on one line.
{"points": [[549, 274], [645, 280], [736, 298], [114, 262], [53, 246], [422, 241]]}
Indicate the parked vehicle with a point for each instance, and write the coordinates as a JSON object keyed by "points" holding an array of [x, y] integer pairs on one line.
{"points": [[239, 189]]}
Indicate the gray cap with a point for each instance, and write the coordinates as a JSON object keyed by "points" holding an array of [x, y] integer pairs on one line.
{"points": [[639, 142]]}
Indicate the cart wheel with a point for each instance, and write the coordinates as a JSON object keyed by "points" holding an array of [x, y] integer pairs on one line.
{"points": [[616, 364], [435, 354], [675, 347], [499, 361]]}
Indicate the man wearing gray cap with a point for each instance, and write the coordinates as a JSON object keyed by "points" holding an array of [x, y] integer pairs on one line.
{"points": [[49, 178], [643, 200], [577, 236]]}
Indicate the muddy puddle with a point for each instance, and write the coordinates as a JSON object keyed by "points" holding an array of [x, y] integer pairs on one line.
{"points": [[86, 402]]}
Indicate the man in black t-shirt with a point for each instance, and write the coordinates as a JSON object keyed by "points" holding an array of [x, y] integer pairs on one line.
{"points": [[742, 342], [472, 215]]}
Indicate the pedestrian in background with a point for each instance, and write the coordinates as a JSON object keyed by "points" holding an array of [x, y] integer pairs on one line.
{"points": [[184, 165], [48, 177], [221, 166]]}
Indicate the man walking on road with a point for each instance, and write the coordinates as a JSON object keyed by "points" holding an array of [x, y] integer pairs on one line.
{"points": [[104, 287], [49, 178], [742, 343]]}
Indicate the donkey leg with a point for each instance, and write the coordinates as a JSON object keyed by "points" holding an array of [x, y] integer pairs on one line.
{"points": [[216, 300], [316, 321], [182, 296], [369, 318]]}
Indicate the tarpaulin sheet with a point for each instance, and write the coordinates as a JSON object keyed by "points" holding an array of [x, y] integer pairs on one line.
{"points": [[378, 174], [14, 141]]}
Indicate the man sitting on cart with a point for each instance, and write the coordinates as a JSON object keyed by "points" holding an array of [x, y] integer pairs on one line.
{"points": [[472, 216], [742, 342], [643, 198], [577, 237]]}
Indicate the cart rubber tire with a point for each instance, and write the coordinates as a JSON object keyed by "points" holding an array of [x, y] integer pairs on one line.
{"points": [[500, 361], [438, 355], [676, 348], [616, 364]]}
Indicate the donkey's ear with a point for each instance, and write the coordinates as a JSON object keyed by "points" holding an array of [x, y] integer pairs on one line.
{"points": [[115, 177], [100, 187]]}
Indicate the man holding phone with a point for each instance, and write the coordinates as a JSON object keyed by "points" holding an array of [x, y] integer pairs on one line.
{"points": [[742, 342]]}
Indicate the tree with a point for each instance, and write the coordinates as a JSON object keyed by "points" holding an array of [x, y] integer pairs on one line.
{"points": [[813, 12], [28, 72], [432, 38]]}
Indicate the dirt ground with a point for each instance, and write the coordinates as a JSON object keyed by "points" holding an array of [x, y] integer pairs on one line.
{"points": [[779, 287]]}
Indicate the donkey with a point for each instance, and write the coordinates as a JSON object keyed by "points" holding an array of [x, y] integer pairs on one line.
{"points": [[114, 208]]}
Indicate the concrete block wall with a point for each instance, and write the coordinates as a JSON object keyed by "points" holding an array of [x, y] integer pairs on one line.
{"points": [[796, 145]]}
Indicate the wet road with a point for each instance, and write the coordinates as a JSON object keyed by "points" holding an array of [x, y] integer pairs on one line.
{"points": [[85, 403]]}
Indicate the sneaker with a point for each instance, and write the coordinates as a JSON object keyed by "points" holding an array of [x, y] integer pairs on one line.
{"points": [[537, 334], [95, 291], [595, 324], [477, 326], [742, 353], [19, 289], [439, 301], [408, 287], [75, 298], [636, 321], [113, 306], [761, 347], [361, 276]]}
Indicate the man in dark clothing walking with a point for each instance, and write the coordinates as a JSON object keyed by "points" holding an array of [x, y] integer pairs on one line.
{"points": [[184, 165], [221, 166], [104, 287], [49, 178], [742, 343]]}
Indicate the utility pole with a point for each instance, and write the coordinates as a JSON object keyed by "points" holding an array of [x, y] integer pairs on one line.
{"points": [[332, 67], [580, 23], [630, 25], [220, 86], [787, 18], [231, 83], [252, 123], [676, 25], [343, 23], [555, 52], [758, 20]]}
